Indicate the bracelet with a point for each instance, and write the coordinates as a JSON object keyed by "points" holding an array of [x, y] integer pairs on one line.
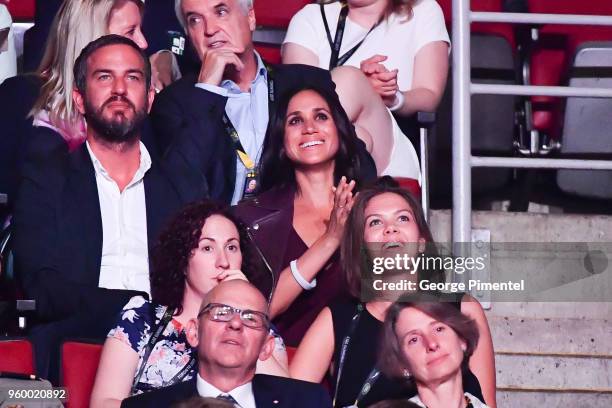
{"points": [[299, 278], [399, 101]]}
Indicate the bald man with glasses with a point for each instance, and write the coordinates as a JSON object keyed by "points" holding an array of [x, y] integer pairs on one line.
{"points": [[231, 333]]}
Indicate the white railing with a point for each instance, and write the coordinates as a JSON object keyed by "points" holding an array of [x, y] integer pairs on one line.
{"points": [[463, 88]]}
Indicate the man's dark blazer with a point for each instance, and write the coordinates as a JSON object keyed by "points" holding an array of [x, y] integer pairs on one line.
{"points": [[183, 109], [269, 392], [58, 228]]}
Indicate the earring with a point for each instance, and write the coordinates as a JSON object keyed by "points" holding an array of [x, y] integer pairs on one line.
{"points": [[406, 373]]}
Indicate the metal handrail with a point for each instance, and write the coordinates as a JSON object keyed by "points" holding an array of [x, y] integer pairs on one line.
{"points": [[533, 90], [533, 162], [536, 18], [463, 88]]}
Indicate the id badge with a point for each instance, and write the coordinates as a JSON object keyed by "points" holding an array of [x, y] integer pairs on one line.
{"points": [[250, 184], [177, 42]]}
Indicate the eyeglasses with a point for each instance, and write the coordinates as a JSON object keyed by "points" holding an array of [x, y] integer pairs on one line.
{"points": [[218, 312]]}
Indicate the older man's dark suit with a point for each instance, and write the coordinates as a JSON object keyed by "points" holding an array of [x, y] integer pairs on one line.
{"points": [[269, 392], [182, 105]]}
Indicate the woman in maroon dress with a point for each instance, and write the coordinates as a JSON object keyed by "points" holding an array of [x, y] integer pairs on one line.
{"points": [[310, 171]]}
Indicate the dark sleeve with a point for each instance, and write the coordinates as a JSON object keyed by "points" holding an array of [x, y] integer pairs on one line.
{"points": [[21, 91], [309, 394], [194, 152], [324, 399], [35, 39], [36, 242], [367, 169]]}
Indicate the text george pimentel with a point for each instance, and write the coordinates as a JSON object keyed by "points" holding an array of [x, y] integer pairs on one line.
{"points": [[453, 287]]}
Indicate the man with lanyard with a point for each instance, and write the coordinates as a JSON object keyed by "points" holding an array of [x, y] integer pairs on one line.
{"points": [[216, 121]]}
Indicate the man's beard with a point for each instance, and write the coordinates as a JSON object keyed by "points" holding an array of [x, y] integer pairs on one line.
{"points": [[118, 129]]}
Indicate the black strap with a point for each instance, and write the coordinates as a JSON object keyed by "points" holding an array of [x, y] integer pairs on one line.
{"points": [[335, 60], [159, 329], [231, 131], [374, 373]]}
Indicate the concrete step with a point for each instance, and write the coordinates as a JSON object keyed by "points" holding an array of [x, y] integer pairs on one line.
{"points": [[522, 399], [529, 227], [552, 336], [552, 361], [560, 310], [554, 373]]}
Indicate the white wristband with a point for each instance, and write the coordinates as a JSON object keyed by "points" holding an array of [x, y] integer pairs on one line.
{"points": [[399, 101], [299, 278]]}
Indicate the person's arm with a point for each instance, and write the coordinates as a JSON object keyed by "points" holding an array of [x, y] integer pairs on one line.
{"points": [[115, 374], [315, 257], [277, 364], [296, 54], [164, 69], [314, 355], [482, 362], [428, 80], [309, 265], [302, 37]]}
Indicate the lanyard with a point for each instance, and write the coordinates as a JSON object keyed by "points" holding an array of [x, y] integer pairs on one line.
{"points": [[335, 60], [152, 341], [374, 373], [250, 185]]}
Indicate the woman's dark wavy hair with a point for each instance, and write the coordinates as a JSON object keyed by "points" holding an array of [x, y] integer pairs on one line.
{"points": [[278, 170], [176, 245], [353, 253], [391, 357]]}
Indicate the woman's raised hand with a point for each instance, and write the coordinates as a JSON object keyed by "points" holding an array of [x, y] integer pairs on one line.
{"points": [[343, 202], [230, 274], [383, 81]]}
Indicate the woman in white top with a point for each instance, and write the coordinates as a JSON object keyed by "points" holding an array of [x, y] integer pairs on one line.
{"points": [[400, 46], [429, 343]]}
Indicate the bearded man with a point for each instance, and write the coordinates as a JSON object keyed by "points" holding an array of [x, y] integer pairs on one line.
{"points": [[84, 221]]}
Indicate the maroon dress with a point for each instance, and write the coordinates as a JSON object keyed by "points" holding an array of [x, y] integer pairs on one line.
{"points": [[294, 322], [269, 218]]}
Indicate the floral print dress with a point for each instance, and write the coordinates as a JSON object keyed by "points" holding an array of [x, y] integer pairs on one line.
{"points": [[172, 352]]}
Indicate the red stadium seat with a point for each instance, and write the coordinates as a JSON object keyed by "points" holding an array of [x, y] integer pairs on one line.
{"points": [[269, 52], [17, 356], [411, 185], [554, 52], [500, 29], [21, 10], [271, 17], [79, 363], [271, 14]]}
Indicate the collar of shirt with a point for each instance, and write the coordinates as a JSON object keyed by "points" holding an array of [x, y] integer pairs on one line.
{"points": [[262, 75], [242, 394], [145, 165], [476, 403]]}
